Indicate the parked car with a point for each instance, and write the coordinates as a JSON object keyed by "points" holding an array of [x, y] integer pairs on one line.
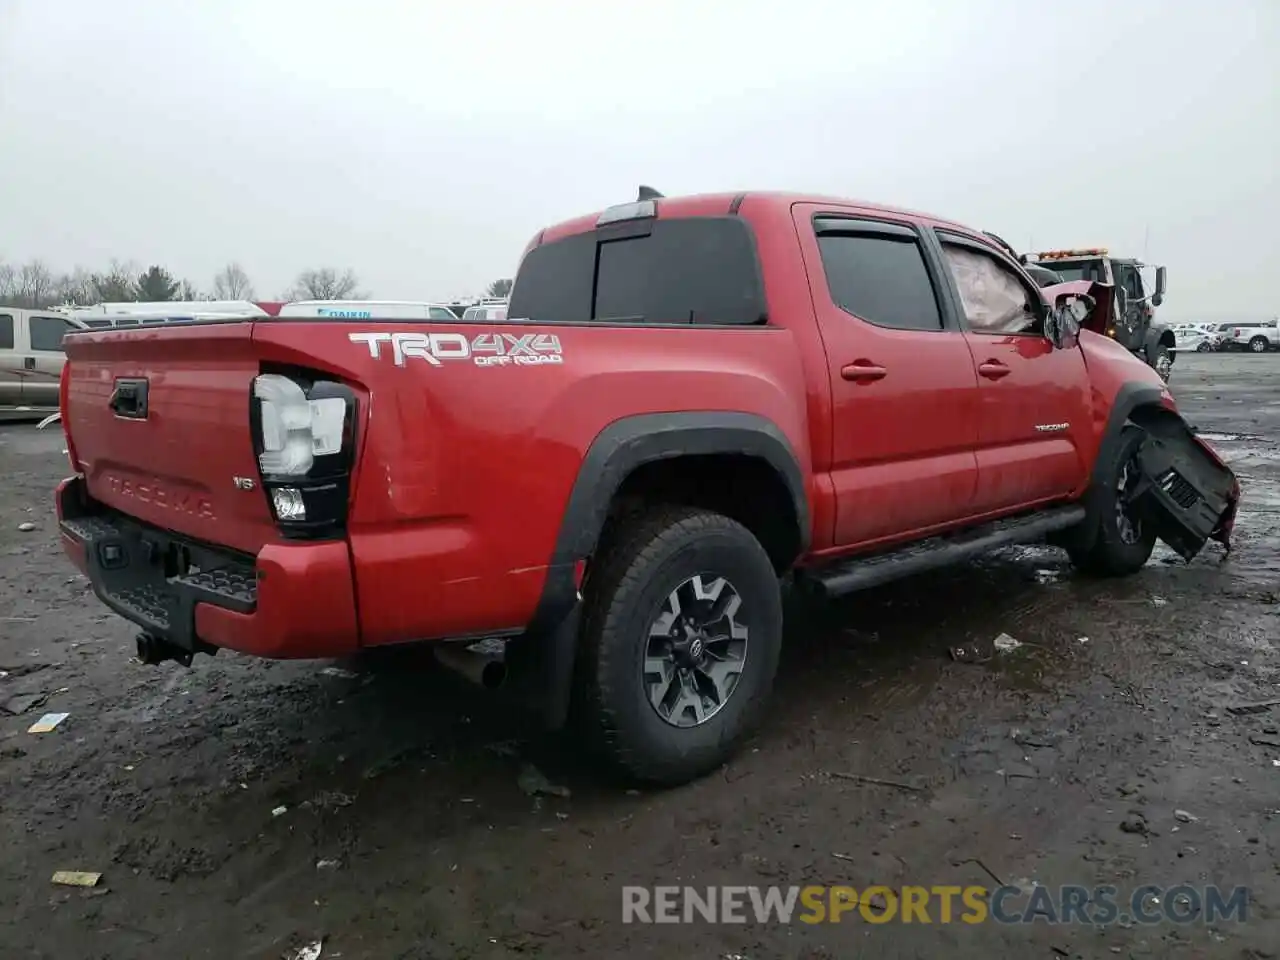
{"points": [[1218, 334], [1255, 336], [1191, 337], [128, 313], [31, 359], [611, 487], [487, 313]]}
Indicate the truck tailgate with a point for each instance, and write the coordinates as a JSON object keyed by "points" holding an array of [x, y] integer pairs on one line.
{"points": [[159, 422]]}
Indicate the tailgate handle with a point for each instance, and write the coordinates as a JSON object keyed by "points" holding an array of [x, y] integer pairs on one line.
{"points": [[129, 399]]}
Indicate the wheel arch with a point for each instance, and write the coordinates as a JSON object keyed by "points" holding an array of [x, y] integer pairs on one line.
{"points": [[1137, 403], [1156, 338], [635, 443]]}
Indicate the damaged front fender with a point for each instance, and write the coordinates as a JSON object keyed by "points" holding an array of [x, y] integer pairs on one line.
{"points": [[1187, 493]]}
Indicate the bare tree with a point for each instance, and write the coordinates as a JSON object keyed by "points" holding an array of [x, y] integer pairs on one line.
{"points": [[75, 287], [232, 283], [499, 288], [187, 292], [326, 283], [34, 285], [8, 284]]}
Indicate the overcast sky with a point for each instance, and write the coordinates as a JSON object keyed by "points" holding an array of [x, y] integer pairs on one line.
{"points": [[423, 143]]}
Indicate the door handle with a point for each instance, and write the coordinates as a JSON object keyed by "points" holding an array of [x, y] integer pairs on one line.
{"points": [[863, 371], [993, 370], [28, 363]]}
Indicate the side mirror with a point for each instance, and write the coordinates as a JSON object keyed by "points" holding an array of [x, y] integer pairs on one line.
{"points": [[1066, 317], [1157, 298]]}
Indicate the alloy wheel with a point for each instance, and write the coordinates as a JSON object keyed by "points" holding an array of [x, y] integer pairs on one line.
{"points": [[696, 651]]}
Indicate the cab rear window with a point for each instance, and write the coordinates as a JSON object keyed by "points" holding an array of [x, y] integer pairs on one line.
{"points": [[699, 270]]}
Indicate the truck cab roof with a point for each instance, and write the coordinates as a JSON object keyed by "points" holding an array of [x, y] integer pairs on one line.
{"points": [[726, 204]]}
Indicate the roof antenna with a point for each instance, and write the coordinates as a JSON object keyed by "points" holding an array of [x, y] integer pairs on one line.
{"points": [[647, 193]]}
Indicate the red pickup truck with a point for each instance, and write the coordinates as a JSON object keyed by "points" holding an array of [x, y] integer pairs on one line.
{"points": [[690, 398]]}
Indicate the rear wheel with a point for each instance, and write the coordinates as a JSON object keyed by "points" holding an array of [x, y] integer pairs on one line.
{"points": [[1259, 344], [1123, 543], [1203, 347], [680, 643]]}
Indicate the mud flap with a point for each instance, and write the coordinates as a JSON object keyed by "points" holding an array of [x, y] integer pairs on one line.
{"points": [[1185, 493], [541, 663]]}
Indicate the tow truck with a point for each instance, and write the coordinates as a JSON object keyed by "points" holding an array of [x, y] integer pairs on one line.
{"points": [[1135, 326]]}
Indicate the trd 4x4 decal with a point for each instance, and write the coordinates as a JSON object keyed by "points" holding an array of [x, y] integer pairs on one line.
{"points": [[484, 350]]}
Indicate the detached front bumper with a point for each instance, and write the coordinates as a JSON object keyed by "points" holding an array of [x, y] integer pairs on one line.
{"points": [[290, 601], [1186, 492]]}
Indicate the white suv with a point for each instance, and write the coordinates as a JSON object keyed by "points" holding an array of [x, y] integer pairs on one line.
{"points": [[1257, 337]]}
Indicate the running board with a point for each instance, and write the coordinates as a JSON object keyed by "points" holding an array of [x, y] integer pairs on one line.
{"points": [[868, 571]]}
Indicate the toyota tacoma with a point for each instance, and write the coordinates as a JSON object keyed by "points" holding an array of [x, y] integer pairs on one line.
{"points": [[595, 500]]}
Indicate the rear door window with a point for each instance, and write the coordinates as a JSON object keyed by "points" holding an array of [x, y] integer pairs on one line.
{"points": [[6, 331], [47, 333], [692, 270], [879, 277]]}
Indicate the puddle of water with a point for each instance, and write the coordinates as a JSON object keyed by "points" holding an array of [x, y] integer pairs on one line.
{"points": [[1255, 500], [1251, 457], [1227, 437], [1027, 668]]}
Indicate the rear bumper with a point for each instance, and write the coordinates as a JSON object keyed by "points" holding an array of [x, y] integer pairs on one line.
{"points": [[290, 601]]}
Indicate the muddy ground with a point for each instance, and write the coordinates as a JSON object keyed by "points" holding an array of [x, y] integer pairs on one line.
{"points": [[406, 832]]}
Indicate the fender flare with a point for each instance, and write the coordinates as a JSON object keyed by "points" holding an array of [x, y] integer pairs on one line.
{"points": [[1129, 398], [633, 441]]}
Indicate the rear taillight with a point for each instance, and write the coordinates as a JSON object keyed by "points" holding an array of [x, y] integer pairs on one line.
{"points": [[304, 439], [64, 390]]}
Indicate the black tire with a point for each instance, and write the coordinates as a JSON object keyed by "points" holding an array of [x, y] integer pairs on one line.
{"points": [[1111, 555], [639, 568], [1259, 344], [1203, 347]]}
